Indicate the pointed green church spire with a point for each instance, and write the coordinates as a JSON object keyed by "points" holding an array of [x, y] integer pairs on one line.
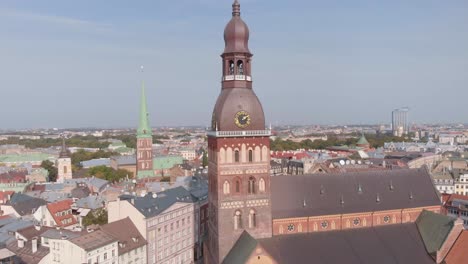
{"points": [[144, 129]]}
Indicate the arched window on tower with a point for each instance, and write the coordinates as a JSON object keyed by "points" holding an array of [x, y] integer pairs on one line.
{"points": [[65, 169], [231, 67], [236, 155], [226, 188], [237, 220], [240, 67], [250, 155], [251, 185], [261, 185], [252, 219], [238, 185]]}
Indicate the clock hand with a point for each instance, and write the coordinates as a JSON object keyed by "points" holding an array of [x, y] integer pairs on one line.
{"points": [[244, 118]]}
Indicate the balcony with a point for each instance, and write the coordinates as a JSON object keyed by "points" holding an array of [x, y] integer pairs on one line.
{"points": [[237, 78], [247, 133]]}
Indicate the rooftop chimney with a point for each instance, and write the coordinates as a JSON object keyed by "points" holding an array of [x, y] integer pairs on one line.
{"points": [[34, 245], [20, 243]]}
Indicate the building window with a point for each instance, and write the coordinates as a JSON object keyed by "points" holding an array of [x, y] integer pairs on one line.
{"points": [[105, 256], [231, 67], [238, 184], [252, 219], [261, 185], [386, 219], [356, 221], [236, 156], [237, 220], [324, 224], [251, 185], [240, 67], [226, 187], [250, 155]]}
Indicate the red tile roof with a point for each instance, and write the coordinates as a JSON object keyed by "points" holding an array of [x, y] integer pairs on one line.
{"points": [[458, 253], [451, 197], [60, 212], [6, 195]]}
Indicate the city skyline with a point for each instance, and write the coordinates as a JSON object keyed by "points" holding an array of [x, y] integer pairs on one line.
{"points": [[339, 64]]}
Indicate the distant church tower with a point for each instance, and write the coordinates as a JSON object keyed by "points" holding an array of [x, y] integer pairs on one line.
{"points": [[239, 151], [144, 152], [63, 164]]}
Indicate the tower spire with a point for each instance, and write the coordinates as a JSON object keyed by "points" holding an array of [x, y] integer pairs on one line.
{"points": [[64, 150], [235, 9], [144, 129]]}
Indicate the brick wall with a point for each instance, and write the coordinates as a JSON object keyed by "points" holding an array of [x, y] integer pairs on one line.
{"points": [[347, 221]]}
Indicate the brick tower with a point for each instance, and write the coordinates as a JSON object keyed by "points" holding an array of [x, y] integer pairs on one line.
{"points": [[239, 151], [144, 142]]}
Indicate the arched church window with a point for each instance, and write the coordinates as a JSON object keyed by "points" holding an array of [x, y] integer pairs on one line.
{"points": [[252, 219], [236, 155], [261, 185], [231, 67], [237, 220], [265, 153], [251, 185], [240, 67], [226, 187], [238, 184], [250, 155], [65, 169]]}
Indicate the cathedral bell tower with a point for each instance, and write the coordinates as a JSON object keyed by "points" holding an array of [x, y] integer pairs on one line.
{"points": [[239, 151]]}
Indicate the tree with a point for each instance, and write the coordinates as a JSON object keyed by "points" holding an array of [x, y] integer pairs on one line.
{"points": [[96, 217], [108, 174], [53, 171]]}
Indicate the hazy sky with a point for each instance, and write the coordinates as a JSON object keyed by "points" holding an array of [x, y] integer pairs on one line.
{"points": [[76, 63]]}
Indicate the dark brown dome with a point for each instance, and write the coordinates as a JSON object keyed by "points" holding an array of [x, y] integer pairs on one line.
{"points": [[232, 101], [236, 33]]}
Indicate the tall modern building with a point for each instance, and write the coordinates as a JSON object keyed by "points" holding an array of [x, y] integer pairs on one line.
{"points": [[400, 125], [144, 141]]}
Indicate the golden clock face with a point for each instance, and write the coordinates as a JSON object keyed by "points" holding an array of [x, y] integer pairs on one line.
{"points": [[242, 119]]}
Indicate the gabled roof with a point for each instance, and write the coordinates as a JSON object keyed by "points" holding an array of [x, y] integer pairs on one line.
{"points": [[242, 250], [32, 231], [337, 193], [458, 253], [59, 211], [126, 232], [24, 204], [91, 202], [153, 204], [383, 245], [93, 240], [434, 229]]}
